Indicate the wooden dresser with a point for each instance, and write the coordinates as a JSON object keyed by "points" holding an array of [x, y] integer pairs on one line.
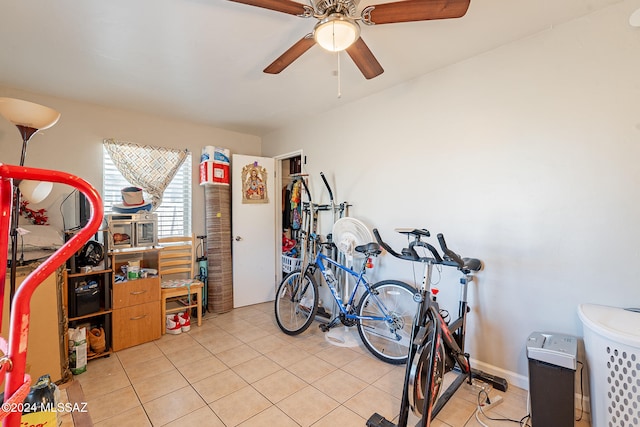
{"points": [[136, 303]]}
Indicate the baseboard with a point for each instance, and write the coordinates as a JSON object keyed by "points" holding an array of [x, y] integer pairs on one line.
{"points": [[512, 378]]}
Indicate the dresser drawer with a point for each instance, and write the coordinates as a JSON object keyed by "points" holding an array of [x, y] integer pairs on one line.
{"points": [[133, 292], [136, 325]]}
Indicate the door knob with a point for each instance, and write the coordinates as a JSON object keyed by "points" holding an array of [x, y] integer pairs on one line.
{"points": [[238, 238]]}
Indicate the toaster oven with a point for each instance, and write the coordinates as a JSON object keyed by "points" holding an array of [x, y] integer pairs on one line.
{"points": [[132, 230]]}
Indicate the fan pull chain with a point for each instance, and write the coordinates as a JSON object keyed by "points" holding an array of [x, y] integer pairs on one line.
{"points": [[339, 81]]}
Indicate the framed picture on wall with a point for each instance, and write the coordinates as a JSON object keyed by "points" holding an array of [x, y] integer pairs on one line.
{"points": [[254, 184]]}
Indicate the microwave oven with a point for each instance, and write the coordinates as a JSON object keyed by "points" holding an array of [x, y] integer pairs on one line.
{"points": [[132, 230]]}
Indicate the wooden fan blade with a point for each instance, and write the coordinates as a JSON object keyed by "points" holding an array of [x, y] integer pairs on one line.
{"points": [[294, 52], [284, 6], [418, 10], [364, 59]]}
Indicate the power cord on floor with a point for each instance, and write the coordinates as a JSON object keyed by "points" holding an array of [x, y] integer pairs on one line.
{"points": [[581, 393], [486, 403]]}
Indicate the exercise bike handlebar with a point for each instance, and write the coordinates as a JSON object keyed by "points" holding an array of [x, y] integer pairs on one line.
{"points": [[326, 183], [318, 207], [410, 254], [466, 265], [388, 248], [307, 190], [452, 259], [449, 253]]}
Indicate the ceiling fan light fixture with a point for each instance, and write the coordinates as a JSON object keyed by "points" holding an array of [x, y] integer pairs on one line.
{"points": [[336, 32]]}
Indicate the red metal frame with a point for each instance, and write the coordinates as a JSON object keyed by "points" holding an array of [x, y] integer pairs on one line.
{"points": [[16, 350]]}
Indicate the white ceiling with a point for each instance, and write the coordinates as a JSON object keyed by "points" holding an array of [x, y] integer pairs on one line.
{"points": [[203, 59]]}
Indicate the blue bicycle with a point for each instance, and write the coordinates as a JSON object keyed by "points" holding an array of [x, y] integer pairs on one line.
{"points": [[383, 315]]}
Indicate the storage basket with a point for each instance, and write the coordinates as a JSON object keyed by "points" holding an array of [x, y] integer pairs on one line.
{"points": [[290, 264], [612, 346]]}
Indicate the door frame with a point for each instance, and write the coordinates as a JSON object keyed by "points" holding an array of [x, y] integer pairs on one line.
{"points": [[279, 184]]}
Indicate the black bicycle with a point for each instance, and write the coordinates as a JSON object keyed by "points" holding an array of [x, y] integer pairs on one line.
{"points": [[437, 344]]}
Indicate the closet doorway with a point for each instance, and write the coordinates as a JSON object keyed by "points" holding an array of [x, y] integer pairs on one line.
{"points": [[290, 167]]}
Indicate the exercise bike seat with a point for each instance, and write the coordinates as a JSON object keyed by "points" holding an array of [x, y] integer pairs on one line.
{"points": [[472, 264]]}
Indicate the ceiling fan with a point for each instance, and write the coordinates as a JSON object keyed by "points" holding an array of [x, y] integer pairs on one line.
{"points": [[337, 28]]}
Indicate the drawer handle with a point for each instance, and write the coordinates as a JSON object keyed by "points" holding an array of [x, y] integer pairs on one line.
{"points": [[138, 292], [138, 318]]}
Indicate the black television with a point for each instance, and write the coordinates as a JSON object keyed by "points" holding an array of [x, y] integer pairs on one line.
{"points": [[84, 209], [76, 211]]}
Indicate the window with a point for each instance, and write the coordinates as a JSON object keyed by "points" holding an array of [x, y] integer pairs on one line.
{"points": [[174, 214]]}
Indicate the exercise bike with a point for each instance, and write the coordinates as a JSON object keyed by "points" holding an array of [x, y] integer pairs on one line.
{"points": [[437, 346]]}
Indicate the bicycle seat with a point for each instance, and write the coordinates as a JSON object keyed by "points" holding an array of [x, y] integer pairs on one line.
{"points": [[369, 249]]}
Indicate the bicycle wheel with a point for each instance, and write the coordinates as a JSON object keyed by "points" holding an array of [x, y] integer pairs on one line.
{"points": [[419, 373], [296, 302], [388, 339]]}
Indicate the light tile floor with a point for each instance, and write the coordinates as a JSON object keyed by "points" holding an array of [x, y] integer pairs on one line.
{"points": [[239, 369]]}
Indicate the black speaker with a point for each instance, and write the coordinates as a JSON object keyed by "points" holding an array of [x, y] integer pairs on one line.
{"points": [[87, 298]]}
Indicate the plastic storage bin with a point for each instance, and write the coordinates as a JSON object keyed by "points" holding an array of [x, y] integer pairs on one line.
{"points": [[612, 344], [290, 264]]}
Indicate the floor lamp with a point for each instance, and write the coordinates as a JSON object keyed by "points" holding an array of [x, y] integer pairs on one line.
{"points": [[29, 118]]}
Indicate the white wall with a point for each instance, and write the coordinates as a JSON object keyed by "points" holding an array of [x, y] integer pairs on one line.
{"points": [[74, 144], [525, 157]]}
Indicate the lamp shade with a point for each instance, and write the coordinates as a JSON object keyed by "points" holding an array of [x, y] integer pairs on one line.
{"points": [[28, 114], [336, 32], [35, 191]]}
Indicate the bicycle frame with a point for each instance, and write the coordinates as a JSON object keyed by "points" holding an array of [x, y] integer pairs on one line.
{"points": [[319, 263]]}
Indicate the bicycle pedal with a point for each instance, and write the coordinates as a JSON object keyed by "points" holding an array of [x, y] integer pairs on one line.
{"points": [[377, 420], [323, 327]]}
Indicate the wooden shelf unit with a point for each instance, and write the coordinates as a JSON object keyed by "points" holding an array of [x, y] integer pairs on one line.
{"points": [[98, 318], [136, 303]]}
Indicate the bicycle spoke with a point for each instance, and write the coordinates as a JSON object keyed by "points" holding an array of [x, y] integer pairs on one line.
{"points": [[388, 339], [296, 303]]}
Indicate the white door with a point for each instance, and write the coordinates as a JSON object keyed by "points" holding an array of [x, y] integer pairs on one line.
{"points": [[253, 226]]}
